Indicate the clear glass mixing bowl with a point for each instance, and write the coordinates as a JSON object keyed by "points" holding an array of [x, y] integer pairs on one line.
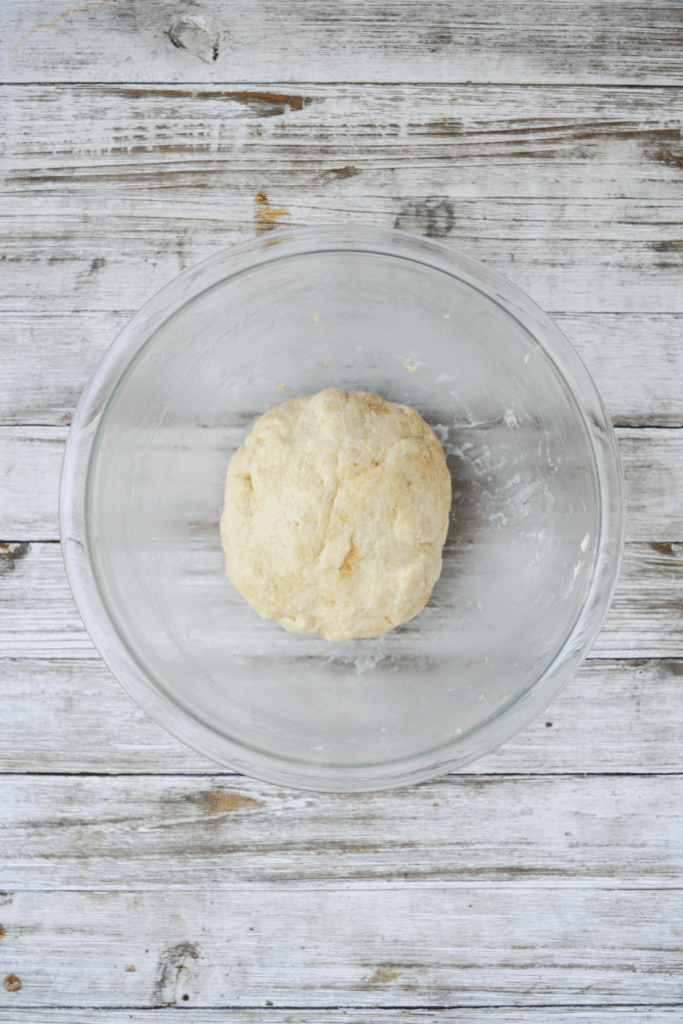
{"points": [[534, 545]]}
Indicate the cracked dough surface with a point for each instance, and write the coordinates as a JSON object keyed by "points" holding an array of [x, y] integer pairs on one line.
{"points": [[336, 512]]}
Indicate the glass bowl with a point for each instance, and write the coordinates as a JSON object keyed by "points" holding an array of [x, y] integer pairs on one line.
{"points": [[530, 561]]}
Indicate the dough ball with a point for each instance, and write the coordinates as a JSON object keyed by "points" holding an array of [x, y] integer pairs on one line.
{"points": [[336, 512]]}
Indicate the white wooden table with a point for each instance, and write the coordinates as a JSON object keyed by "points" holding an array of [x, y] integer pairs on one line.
{"points": [[138, 880]]}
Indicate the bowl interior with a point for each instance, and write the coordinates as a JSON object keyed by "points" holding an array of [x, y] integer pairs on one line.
{"points": [[525, 517]]}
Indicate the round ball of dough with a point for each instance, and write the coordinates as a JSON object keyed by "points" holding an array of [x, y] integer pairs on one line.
{"points": [[336, 512]]}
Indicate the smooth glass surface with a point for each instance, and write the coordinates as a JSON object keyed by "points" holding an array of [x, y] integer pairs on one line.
{"points": [[536, 527]]}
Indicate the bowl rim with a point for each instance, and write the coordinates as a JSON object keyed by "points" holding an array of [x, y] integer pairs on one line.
{"points": [[287, 243]]}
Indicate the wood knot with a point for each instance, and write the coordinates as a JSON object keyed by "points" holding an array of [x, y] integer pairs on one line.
{"points": [[196, 35], [214, 802], [10, 553], [266, 215], [384, 974]]}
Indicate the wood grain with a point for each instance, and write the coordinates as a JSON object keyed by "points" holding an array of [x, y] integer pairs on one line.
{"points": [[560, 41], [646, 616], [653, 468], [637, 363], [346, 141], [38, 613], [466, 164], [72, 716], [30, 464], [408, 945], [138, 833], [101, 252], [47, 359]]}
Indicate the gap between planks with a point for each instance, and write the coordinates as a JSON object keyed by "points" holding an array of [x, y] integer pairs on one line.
{"points": [[352, 83], [511, 1013]]}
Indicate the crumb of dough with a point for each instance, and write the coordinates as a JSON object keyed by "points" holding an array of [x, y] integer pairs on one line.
{"points": [[336, 512]]}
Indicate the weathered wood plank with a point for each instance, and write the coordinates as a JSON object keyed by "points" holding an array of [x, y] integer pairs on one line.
{"points": [[31, 459], [403, 40], [346, 141], [653, 468], [30, 464], [407, 946], [646, 616], [40, 619], [268, 1015], [47, 359], [39, 616], [636, 362], [72, 716], [138, 833], [99, 251]]}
